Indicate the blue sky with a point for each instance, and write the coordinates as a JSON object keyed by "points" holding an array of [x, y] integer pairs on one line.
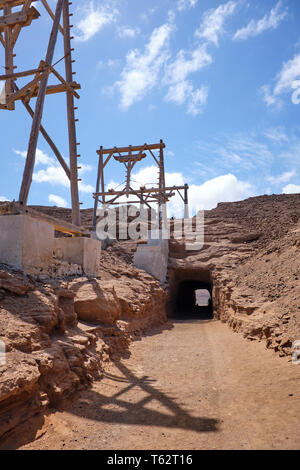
{"points": [[219, 82]]}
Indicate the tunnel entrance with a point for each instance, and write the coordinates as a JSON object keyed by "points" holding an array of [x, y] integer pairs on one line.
{"points": [[193, 300]]}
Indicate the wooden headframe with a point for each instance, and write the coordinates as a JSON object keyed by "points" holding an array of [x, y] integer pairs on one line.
{"points": [[11, 24], [129, 156]]}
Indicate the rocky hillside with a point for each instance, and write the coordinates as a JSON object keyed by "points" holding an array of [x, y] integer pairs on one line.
{"points": [[251, 258], [59, 333]]}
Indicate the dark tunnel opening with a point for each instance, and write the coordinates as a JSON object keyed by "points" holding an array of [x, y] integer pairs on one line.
{"points": [[193, 300]]}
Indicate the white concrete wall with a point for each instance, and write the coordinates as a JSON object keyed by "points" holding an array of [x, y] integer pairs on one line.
{"points": [[153, 258], [38, 244], [79, 250], [25, 242]]}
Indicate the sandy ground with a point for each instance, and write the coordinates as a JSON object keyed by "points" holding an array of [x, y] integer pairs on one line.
{"points": [[195, 385]]}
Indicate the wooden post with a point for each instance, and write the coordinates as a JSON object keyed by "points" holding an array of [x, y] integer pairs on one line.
{"points": [[186, 202], [99, 177], [47, 137], [71, 118], [50, 142], [35, 129], [9, 65], [161, 206]]}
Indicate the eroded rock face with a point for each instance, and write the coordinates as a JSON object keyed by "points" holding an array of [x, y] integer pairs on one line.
{"points": [[96, 301], [49, 353], [251, 258]]}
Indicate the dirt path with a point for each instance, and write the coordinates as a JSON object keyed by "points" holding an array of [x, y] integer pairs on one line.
{"points": [[193, 386]]}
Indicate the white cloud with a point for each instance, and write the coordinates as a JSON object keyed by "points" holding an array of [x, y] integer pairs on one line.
{"points": [[56, 176], [181, 90], [127, 32], [94, 18], [267, 95], [186, 63], [85, 188], [142, 69], [57, 200], [186, 4], [269, 21], [284, 178], [276, 134], [145, 16], [41, 158], [85, 168], [224, 188], [237, 152], [113, 62], [212, 25], [291, 189], [289, 72], [3, 198]]}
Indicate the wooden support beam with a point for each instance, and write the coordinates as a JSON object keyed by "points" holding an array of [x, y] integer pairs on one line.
{"points": [[47, 139], [59, 225], [154, 157], [52, 89], [71, 118], [26, 73], [140, 196], [51, 14], [18, 27], [99, 175], [12, 3], [162, 214], [25, 90], [18, 18], [9, 59], [136, 148], [128, 158], [69, 88], [144, 190], [35, 129]]}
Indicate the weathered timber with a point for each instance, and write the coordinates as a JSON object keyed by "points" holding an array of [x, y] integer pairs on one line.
{"points": [[13, 3], [22, 18], [71, 118], [131, 148], [51, 14], [30, 160]]}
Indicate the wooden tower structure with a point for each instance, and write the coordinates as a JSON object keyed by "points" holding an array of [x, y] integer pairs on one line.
{"points": [[129, 156], [15, 15]]}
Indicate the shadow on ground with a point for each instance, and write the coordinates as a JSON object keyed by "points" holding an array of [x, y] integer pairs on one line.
{"points": [[116, 408]]}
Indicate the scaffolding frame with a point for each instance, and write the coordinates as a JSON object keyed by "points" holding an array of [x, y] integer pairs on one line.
{"points": [[11, 24], [129, 156]]}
